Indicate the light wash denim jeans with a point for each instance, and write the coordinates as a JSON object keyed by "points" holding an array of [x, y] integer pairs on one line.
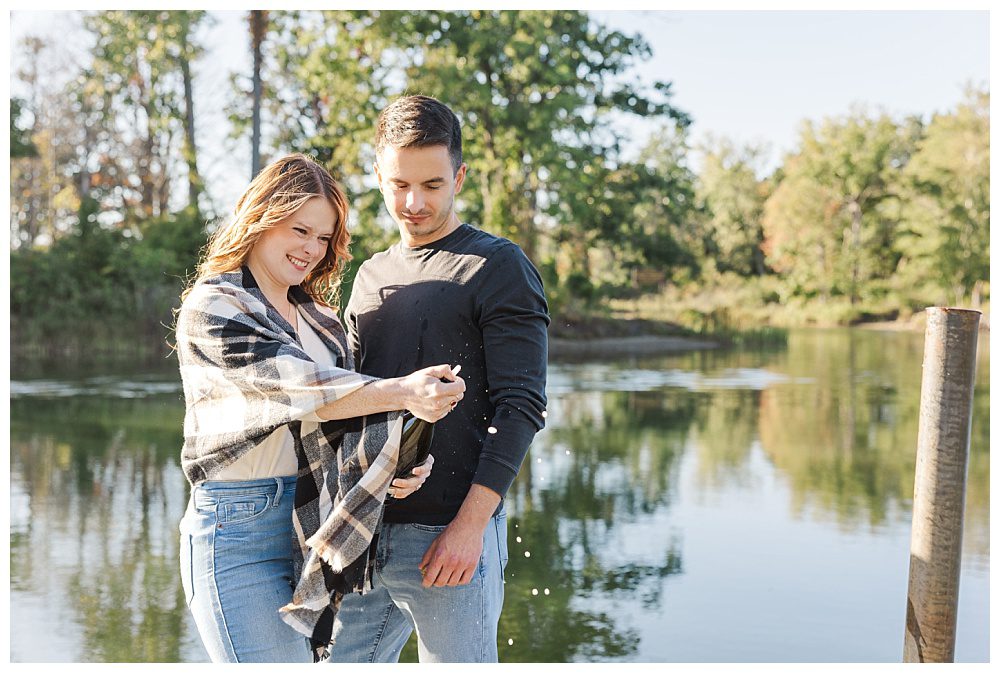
{"points": [[453, 624], [236, 567]]}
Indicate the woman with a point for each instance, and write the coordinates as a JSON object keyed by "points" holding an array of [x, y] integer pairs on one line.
{"points": [[290, 454]]}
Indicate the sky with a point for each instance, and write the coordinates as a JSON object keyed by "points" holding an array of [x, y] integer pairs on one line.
{"points": [[750, 76], [754, 76]]}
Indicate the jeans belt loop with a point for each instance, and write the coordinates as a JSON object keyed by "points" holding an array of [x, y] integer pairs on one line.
{"points": [[280, 487]]}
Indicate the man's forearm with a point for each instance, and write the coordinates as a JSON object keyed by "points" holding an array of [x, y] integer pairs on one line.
{"points": [[477, 508]]}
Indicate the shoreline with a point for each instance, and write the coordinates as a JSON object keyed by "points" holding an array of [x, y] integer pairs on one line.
{"points": [[628, 345], [918, 325], [633, 338]]}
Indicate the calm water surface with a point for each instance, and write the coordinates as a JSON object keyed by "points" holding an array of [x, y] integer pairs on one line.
{"points": [[748, 505]]}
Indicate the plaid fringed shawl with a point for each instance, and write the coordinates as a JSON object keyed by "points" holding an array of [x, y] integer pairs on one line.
{"points": [[245, 374]]}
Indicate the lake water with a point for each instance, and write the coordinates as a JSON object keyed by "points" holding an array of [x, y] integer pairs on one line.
{"points": [[746, 505]]}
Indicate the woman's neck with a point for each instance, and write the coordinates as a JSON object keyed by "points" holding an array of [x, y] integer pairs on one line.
{"points": [[275, 293]]}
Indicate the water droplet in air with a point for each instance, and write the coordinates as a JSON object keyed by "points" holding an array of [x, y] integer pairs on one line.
{"points": [[518, 538], [534, 592], [510, 641], [527, 554], [545, 414], [491, 430], [546, 591]]}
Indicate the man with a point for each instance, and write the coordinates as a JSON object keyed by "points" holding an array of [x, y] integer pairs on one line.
{"points": [[447, 292]]}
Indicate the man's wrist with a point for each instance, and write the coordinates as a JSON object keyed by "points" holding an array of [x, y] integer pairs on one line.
{"points": [[478, 508]]}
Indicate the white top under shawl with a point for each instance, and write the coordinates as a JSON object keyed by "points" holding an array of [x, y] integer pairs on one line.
{"points": [[275, 456]]}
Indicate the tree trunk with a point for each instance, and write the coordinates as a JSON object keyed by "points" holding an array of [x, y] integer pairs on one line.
{"points": [[163, 182], [855, 208], [529, 212], [145, 160], [491, 181], [758, 252], [190, 148], [258, 29], [148, 186]]}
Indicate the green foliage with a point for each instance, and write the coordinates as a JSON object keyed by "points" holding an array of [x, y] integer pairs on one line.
{"points": [[539, 92], [535, 90], [20, 139], [827, 224], [367, 239], [665, 214], [101, 282], [733, 197], [946, 237], [326, 74], [869, 218], [178, 239]]}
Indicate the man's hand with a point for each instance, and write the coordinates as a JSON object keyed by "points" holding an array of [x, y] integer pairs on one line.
{"points": [[453, 556]]}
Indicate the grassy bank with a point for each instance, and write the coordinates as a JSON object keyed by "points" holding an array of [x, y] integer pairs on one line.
{"points": [[725, 313], [755, 307], [90, 348], [94, 346]]}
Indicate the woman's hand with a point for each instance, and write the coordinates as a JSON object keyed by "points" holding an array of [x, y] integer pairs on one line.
{"points": [[400, 488], [426, 396]]}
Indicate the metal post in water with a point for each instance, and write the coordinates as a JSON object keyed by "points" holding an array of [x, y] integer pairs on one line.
{"points": [[939, 487]]}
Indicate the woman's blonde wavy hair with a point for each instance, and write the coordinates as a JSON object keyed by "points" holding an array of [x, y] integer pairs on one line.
{"points": [[277, 192]]}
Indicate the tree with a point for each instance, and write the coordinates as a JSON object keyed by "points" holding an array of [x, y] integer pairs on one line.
{"points": [[946, 212], [141, 70], [95, 236], [327, 75], [733, 197], [180, 28], [802, 232], [829, 211], [660, 222], [43, 195], [538, 92]]}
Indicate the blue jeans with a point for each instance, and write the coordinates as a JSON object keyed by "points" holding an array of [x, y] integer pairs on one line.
{"points": [[236, 567], [453, 624]]}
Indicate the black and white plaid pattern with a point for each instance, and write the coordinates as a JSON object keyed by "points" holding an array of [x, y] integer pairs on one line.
{"points": [[245, 374]]}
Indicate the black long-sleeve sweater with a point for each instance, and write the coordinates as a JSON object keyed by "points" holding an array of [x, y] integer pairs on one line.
{"points": [[470, 299]]}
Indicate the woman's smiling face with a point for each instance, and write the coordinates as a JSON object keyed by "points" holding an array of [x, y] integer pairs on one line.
{"points": [[285, 254]]}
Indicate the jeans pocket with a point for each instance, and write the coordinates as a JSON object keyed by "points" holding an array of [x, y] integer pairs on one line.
{"points": [[426, 528], [500, 524], [187, 567], [241, 509]]}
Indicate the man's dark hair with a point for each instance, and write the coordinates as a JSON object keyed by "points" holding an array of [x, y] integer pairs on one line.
{"points": [[419, 121]]}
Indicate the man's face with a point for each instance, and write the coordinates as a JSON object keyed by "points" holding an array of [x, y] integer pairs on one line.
{"points": [[419, 185]]}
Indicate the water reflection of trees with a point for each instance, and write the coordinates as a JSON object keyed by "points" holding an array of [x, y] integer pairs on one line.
{"points": [[104, 494], [847, 440], [842, 430], [570, 510], [724, 430]]}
